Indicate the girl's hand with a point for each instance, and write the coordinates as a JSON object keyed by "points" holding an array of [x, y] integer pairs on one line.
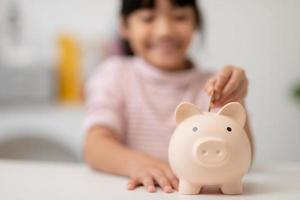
{"points": [[148, 171], [230, 84]]}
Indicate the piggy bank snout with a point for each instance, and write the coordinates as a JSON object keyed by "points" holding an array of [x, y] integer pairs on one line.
{"points": [[211, 152]]}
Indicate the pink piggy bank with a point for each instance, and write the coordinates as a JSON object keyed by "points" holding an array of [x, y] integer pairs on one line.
{"points": [[210, 149]]}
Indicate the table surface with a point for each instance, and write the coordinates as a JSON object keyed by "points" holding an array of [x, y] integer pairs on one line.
{"points": [[45, 180]]}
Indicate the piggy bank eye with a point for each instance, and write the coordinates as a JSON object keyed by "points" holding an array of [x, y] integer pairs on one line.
{"points": [[195, 129], [228, 129]]}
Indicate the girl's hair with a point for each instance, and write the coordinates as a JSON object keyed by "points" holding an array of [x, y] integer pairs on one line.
{"points": [[130, 6]]}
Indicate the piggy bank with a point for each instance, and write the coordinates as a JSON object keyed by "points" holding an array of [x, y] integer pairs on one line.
{"points": [[210, 149]]}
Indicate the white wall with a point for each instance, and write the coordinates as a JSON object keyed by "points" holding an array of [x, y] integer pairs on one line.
{"points": [[263, 36]]}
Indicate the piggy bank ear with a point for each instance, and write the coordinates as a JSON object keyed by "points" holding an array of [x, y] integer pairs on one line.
{"points": [[185, 110], [235, 111]]}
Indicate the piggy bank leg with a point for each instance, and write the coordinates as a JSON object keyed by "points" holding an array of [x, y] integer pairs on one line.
{"points": [[235, 187], [186, 187]]}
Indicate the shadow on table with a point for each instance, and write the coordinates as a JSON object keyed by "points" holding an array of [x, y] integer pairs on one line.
{"points": [[37, 148]]}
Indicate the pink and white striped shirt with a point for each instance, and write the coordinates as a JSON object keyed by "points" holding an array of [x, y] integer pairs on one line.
{"points": [[138, 100]]}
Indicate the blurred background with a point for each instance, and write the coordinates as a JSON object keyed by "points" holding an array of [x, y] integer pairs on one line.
{"points": [[48, 48]]}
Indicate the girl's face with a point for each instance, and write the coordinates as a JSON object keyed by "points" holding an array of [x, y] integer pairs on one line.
{"points": [[161, 35]]}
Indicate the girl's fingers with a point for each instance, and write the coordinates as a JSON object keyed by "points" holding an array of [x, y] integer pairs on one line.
{"points": [[222, 78], [209, 86], [162, 181], [218, 82], [175, 183], [172, 178], [229, 99], [148, 183], [210, 89], [240, 93], [234, 82], [133, 183]]}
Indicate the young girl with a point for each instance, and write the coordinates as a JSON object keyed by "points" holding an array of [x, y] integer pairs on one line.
{"points": [[131, 99]]}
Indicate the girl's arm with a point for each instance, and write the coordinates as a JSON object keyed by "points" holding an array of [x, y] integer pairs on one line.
{"points": [[104, 152]]}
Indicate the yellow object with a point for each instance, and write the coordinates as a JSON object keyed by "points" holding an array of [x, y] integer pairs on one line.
{"points": [[69, 70]]}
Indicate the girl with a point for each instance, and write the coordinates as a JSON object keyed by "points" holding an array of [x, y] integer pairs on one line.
{"points": [[131, 99]]}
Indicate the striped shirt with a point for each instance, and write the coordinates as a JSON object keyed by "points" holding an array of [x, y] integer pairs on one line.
{"points": [[137, 101]]}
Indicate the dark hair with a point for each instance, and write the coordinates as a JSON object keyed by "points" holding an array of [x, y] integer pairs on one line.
{"points": [[130, 6]]}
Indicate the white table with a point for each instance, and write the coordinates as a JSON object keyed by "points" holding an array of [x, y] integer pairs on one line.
{"points": [[43, 180]]}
